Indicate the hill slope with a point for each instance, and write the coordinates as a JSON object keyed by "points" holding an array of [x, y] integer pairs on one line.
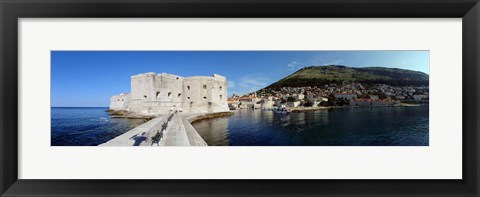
{"points": [[321, 75]]}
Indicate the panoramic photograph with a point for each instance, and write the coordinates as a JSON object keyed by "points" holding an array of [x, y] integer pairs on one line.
{"points": [[240, 98]]}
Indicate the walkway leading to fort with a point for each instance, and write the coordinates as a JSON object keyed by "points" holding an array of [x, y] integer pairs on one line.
{"points": [[175, 134], [173, 129]]}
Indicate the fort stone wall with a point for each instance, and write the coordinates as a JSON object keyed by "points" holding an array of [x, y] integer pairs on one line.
{"points": [[205, 94], [153, 94], [119, 102]]}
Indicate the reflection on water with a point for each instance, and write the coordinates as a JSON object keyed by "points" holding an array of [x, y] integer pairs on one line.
{"points": [[217, 136], [396, 126]]}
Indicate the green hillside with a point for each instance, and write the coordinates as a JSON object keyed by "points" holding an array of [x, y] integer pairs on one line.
{"points": [[321, 75]]}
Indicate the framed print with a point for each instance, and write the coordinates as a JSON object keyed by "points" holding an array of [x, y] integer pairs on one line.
{"points": [[257, 98]]}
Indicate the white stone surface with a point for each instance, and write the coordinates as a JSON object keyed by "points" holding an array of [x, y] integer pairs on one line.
{"points": [[119, 102], [138, 136], [154, 94], [179, 132]]}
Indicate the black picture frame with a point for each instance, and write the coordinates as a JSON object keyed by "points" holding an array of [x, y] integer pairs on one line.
{"points": [[11, 11]]}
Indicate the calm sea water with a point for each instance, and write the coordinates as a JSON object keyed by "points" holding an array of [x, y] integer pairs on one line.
{"points": [[392, 126], [83, 126]]}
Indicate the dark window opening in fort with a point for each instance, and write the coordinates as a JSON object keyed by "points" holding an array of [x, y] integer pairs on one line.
{"points": [[169, 94], [118, 100], [204, 86], [179, 94], [220, 87], [158, 94], [209, 103], [144, 96], [188, 97], [122, 99], [177, 78], [221, 96], [204, 97], [188, 87]]}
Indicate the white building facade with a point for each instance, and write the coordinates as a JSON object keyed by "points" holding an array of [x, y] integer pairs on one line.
{"points": [[154, 94], [348, 96]]}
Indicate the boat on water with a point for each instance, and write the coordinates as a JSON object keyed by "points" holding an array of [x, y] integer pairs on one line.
{"points": [[282, 111]]}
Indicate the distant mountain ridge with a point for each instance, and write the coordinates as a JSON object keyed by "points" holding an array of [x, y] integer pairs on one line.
{"points": [[338, 74]]}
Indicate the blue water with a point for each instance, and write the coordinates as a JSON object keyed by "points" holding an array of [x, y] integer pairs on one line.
{"points": [[82, 126], [391, 126]]}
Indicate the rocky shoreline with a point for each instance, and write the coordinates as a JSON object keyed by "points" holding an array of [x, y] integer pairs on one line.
{"points": [[305, 109], [210, 116], [125, 114]]}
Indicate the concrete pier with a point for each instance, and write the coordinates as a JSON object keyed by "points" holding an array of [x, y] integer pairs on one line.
{"points": [[178, 132]]}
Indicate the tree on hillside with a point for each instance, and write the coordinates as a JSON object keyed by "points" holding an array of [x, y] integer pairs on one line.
{"points": [[308, 103], [331, 101], [291, 99], [342, 102]]}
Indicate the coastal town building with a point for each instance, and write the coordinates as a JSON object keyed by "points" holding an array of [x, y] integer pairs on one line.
{"points": [[419, 97], [267, 104], [316, 101], [374, 97], [249, 102], [374, 103], [153, 94], [348, 96], [293, 104]]}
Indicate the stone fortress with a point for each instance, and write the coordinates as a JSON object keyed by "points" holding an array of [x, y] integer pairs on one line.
{"points": [[156, 94]]}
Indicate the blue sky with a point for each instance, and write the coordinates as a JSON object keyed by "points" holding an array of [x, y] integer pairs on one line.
{"points": [[89, 78]]}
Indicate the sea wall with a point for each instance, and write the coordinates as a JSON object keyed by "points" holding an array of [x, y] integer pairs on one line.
{"points": [[178, 131], [138, 136], [200, 117]]}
